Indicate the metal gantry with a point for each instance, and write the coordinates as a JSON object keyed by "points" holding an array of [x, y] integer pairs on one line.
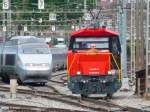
{"points": [[138, 41], [139, 35], [148, 51], [132, 39]]}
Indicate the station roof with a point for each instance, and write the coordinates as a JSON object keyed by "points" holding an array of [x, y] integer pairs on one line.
{"points": [[99, 32]]}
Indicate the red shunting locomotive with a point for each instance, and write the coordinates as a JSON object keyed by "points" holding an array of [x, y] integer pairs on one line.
{"points": [[94, 62]]}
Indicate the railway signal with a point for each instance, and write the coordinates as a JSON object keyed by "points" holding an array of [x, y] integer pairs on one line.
{"points": [[6, 4], [25, 28], [52, 17], [53, 28], [4, 28], [40, 4], [40, 20]]}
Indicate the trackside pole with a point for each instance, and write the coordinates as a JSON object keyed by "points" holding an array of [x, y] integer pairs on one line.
{"points": [[123, 32], [13, 87], [125, 80]]}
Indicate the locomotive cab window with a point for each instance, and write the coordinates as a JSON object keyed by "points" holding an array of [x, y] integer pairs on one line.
{"points": [[33, 49], [115, 45], [10, 50], [82, 43]]}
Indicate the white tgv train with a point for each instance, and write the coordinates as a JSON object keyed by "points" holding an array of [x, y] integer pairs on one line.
{"points": [[26, 57]]}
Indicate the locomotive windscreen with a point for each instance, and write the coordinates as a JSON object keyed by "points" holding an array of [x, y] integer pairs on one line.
{"points": [[85, 43], [31, 40], [34, 49], [10, 59]]}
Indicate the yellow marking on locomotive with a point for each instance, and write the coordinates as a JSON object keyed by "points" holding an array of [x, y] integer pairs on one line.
{"points": [[119, 69], [68, 70]]}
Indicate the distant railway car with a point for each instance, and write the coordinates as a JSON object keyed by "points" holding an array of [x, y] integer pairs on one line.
{"points": [[59, 56], [94, 65], [26, 57]]}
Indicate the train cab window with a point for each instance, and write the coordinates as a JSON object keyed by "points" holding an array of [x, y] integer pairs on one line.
{"points": [[85, 43], [31, 40], [33, 49], [115, 46], [10, 59], [10, 50], [11, 42]]}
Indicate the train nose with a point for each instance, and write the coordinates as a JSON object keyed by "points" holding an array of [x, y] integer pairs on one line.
{"points": [[36, 76], [33, 73]]}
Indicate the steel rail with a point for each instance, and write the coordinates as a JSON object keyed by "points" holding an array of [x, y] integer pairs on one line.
{"points": [[27, 108]]}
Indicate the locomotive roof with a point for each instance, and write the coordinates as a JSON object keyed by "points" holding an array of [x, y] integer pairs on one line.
{"points": [[99, 32], [27, 39], [22, 37]]}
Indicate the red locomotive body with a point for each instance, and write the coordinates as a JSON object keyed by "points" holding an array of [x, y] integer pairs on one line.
{"points": [[94, 62]]}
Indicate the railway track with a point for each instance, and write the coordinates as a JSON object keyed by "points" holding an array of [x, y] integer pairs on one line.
{"points": [[113, 106], [87, 104], [27, 108], [60, 78], [67, 99]]}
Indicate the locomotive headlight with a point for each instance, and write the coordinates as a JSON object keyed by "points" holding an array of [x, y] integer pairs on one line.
{"points": [[29, 64], [85, 81], [104, 81], [44, 65], [78, 72], [111, 72]]}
